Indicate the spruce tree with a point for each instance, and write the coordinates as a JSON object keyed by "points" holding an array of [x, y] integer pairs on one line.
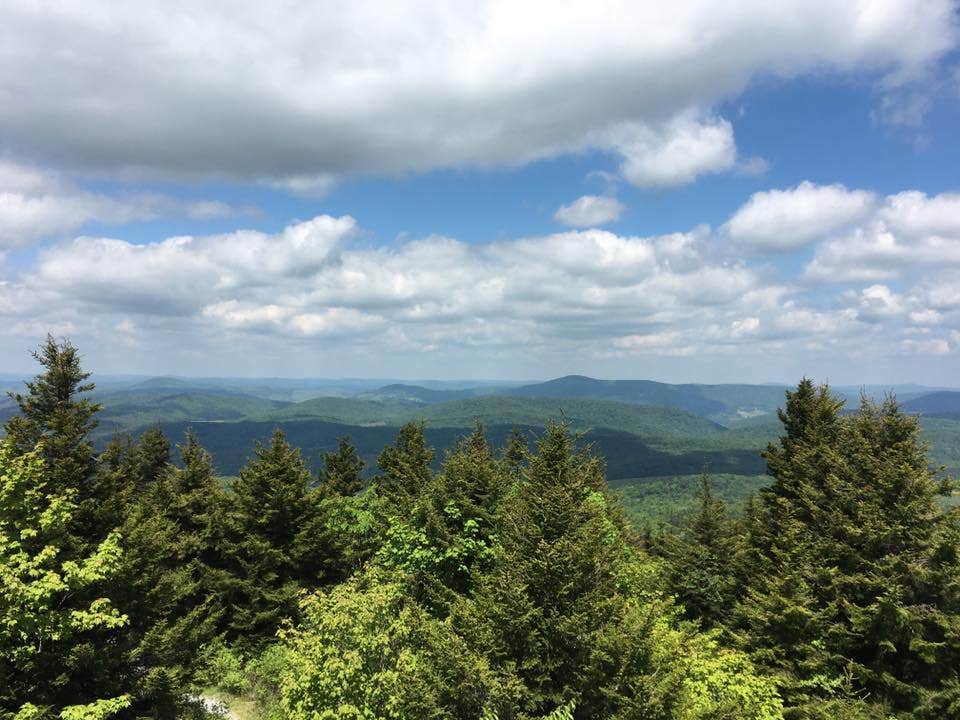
{"points": [[447, 534], [151, 457], [56, 413], [702, 560], [342, 470], [405, 466], [555, 591], [173, 570], [515, 454], [569, 621], [843, 602], [271, 506]]}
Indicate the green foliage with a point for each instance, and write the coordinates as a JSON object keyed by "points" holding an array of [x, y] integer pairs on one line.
{"points": [[702, 572], [672, 500], [342, 470], [131, 410], [405, 468], [55, 411], [221, 666], [567, 615], [367, 650], [507, 587], [848, 598], [50, 602], [278, 540], [172, 534]]}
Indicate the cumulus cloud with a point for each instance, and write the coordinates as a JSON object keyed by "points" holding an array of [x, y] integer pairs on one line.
{"points": [[308, 280], [37, 204], [179, 274], [590, 210], [675, 154], [916, 215], [909, 232], [877, 303], [584, 293], [857, 236], [783, 220], [320, 90]]}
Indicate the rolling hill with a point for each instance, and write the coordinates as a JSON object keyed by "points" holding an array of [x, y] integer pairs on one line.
{"points": [[648, 432], [418, 394], [626, 455], [941, 404], [720, 403]]}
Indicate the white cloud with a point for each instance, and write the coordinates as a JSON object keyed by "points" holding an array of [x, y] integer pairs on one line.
{"points": [[322, 90], [177, 274], [914, 214], [934, 346], [35, 205], [675, 154], [874, 252], [574, 294], [309, 186], [306, 280], [783, 220], [857, 235], [927, 316], [590, 210], [744, 327], [877, 303]]}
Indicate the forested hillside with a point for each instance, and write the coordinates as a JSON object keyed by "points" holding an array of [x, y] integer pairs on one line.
{"points": [[651, 451], [501, 580]]}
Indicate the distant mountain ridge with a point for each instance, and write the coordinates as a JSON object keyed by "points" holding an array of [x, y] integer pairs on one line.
{"points": [[943, 404], [399, 392], [626, 454], [716, 402], [720, 425]]}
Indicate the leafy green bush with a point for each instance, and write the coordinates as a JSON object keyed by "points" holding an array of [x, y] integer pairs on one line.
{"points": [[222, 667]]}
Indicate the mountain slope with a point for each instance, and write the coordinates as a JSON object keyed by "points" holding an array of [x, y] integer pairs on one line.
{"points": [[944, 404], [417, 394], [627, 455], [579, 412], [131, 409], [638, 392]]}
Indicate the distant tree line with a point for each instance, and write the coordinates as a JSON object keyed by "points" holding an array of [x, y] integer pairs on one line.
{"points": [[508, 584]]}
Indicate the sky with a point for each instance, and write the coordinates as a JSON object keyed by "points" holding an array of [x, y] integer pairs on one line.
{"points": [[690, 191]]}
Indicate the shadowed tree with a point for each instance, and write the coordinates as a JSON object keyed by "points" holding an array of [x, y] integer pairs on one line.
{"points": [[342, 470]]}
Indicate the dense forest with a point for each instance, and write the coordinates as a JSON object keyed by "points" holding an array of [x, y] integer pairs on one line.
{"points": [[503, 579]]}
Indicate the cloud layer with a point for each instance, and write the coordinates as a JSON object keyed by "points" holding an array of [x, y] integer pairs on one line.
{"points": [[880, 281], [300, 92], [37, 204]]}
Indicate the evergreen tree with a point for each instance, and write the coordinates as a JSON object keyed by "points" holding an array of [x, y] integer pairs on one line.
{"points": [[448, 532], [342, 470], [151, 457], [405, 466], [57, 414], [173, 570], [562, 626], [271, 506], [112, 488], [843, 603], [702, 571], [515, 454], [562, 560], [569, 622]]}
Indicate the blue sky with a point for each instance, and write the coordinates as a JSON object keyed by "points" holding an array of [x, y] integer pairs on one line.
{"points": [[751, 193]]}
